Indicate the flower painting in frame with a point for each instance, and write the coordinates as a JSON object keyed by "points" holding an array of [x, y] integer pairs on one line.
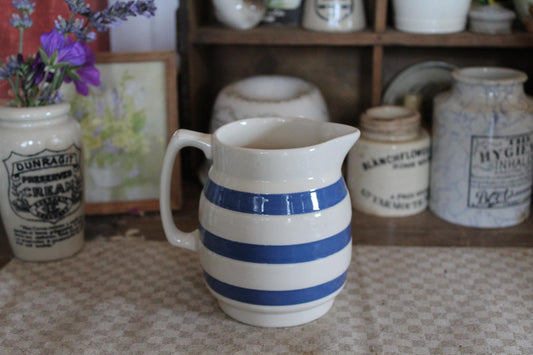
{"points": [[126, 123]]}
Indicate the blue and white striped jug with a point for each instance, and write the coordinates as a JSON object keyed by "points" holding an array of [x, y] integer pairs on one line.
{"points": [[274, 237]]}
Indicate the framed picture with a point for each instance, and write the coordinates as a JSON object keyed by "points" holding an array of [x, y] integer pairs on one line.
{"points": [[126, 124]]}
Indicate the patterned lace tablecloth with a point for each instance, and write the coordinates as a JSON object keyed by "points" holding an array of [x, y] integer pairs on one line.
{"points": [[127, 296]]}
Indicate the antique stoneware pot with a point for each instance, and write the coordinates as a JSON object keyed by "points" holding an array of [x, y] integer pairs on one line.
{"points": [[482, 155], [41, 181]]}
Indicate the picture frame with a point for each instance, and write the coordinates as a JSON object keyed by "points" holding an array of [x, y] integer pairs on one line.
{"points": [[126, 125]]}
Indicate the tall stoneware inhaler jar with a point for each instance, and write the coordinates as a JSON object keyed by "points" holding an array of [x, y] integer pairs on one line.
{"points": [[481, 172], [41, 181]]}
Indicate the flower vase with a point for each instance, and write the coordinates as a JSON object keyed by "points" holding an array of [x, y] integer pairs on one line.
{"points": [[41, 181]]}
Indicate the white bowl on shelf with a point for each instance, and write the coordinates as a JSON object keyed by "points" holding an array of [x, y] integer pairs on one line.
{"points": [[239, 14], [430, 16], [268, 95]]}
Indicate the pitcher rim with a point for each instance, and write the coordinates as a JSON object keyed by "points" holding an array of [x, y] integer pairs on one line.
{"points": [[216, 134]]}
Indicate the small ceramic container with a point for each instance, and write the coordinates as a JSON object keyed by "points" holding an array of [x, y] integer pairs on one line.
{"points": [[41, 180], [430, 16], [491, 19], [334, 15], [388, 169], [268, 95], [239, 14]]}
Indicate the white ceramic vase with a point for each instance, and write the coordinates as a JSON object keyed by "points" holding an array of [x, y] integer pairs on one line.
{"points": [[430, 16], [41, 180], [482, 155]]}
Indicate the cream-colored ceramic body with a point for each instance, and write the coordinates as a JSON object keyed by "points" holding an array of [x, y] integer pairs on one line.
{"points": [[430, 16], [275, 197], [41, 182], [389, 178], [239, 14], [334, 15], [268, 95], [388, 169], [482, 156]]}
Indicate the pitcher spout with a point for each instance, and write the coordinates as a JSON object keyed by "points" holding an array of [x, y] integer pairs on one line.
{"points": [[280, 152]]}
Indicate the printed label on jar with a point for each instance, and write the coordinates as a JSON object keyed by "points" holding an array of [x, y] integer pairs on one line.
{"points": [[407, 159], [334, 10], [47, 186], [401, 201], [500, 171], [47, 236]]}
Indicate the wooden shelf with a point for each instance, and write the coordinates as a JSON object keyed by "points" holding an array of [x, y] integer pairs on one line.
{"points": [[460, 39], [273, 35], [295, 36], [351, 69]]}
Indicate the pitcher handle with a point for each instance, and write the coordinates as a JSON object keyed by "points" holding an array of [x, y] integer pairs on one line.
{"points": [[180, 139]]}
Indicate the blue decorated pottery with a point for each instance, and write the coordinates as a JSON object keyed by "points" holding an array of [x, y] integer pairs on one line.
{"points": [[274, 237], [482, 156]]}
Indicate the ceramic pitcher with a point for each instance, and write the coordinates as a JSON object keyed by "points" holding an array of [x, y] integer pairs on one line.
{"points": [[274, 237]]}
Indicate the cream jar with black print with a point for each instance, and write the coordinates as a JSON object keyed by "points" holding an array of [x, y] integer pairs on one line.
{"points": [[388, 169]]}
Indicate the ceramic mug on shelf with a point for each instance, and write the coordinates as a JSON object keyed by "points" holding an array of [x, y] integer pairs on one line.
{"points": [[274, 237], [334, 15]]}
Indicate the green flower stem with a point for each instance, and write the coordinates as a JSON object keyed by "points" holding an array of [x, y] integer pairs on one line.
{"points": [[21, 39]]}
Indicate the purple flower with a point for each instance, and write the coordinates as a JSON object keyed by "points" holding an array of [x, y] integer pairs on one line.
{"points": [[24, 6], [135, 172], [119, 12], [98, 130], [10, 68], [78, 6], [108, 147], [99, 110], [22, 23], [87, 73], [38, 68], [67, 51]]}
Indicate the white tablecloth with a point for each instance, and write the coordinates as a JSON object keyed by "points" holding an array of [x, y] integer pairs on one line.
{"points": [[124, 296]]}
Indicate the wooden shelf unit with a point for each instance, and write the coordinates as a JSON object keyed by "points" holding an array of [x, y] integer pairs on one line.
{"points": [[351, 69]]}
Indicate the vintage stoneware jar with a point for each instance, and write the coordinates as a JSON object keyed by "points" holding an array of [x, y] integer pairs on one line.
{"points": [[41, 181], [274, 237], [334, 15], [388, 169], [482, 157]]}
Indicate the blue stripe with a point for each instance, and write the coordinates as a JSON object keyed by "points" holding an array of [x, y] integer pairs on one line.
{"points": [[276, 204], [276, 254], [275, 298]]}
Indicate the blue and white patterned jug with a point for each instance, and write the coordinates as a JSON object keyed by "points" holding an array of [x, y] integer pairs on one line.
{"points": [[274, 237]]}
